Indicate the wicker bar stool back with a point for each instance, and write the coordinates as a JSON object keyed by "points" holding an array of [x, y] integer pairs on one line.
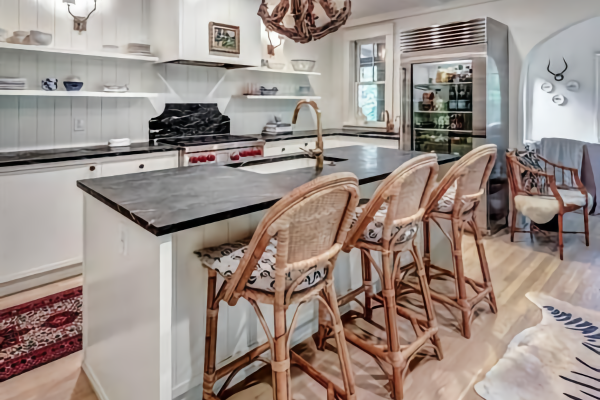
{"points": [[389, 224], [456, 199], [303, 233]]}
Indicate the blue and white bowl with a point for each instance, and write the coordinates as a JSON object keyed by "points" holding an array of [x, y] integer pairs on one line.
{"points": [[73, 86], [50, 84]]}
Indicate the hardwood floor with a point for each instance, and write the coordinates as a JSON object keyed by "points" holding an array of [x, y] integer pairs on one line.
{"points": [[516, 268]]}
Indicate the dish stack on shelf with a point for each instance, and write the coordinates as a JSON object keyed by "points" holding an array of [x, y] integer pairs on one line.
{"points": [[277, 128], [13, 83], [139, 49], [116, 88]]}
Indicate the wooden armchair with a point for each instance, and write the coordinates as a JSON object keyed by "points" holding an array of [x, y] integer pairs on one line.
{"points": [[539, 195]]}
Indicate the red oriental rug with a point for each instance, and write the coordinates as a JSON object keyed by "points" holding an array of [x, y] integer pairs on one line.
{"points": [[39, 332]]}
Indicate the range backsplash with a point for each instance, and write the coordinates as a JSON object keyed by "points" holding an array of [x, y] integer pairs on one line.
{"points": [[189, 120]]}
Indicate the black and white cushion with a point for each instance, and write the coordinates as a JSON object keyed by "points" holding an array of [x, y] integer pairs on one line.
{"points": [[374, 231], [531, 160], [446, 203], [225, 259]]}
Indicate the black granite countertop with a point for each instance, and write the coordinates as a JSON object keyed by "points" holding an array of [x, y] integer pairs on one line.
{"points": [[173, 200], [15, 158], [329, 132]]}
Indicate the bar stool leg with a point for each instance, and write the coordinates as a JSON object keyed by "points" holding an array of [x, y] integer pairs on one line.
{"points": [[368, 282], [340, 338], [427, 302], [427, 249], [281, 376], [586, 222], [394, 353], [212, 314], [485, 271], [460, 277]]}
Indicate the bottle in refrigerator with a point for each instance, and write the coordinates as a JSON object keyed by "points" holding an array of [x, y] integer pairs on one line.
{"points": [[452, 99]]}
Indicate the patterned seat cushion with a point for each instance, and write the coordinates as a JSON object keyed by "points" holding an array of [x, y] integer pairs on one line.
{"points": [[531, 160], [226, 258], [374, 231], [446, 203]]}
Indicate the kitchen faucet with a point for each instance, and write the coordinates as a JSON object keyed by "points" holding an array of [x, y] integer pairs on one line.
{"points": [[318, 151], [389, 125]]}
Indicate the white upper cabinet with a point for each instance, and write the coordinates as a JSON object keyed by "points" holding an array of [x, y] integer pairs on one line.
{"points": [[180, 31]]}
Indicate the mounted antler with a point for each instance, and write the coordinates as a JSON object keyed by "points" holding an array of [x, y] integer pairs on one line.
{"points": [[559, 77], [305, 29]]}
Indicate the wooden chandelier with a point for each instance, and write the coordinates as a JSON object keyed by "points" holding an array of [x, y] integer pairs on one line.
{"points": [[304, 29]]}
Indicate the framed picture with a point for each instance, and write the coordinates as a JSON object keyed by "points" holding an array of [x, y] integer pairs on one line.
{"points": [[224, 39]]}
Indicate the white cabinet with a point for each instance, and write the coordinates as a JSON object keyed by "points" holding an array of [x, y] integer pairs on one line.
{"points": [[136, 166], [180, 30], [329, 142], [41, 213], [289, 146]]}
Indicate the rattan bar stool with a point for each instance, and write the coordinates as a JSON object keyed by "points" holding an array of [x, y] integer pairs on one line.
{"points": [[456, 199], [289, 260], [389, 224]]}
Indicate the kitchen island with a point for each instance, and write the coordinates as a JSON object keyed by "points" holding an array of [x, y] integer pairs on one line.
{"points": [[145, 290]]}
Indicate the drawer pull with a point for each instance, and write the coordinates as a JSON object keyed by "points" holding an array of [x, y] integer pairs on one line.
{"points": [[92, 168], [283, 149], [141, 166]]}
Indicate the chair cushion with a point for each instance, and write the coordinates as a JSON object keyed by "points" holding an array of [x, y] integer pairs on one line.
{"points": [[446, 203], [531, 160], [541, 209], [225, 259], [374, 231]]}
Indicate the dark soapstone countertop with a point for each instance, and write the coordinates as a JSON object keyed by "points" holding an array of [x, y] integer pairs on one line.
{"points": [[15, 158], [329, 132], [173, 200]]}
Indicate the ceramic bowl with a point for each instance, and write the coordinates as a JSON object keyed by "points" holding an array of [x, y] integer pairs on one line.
{"points": [[18, 37], [40, 38], [268, 92], [303, 65], [50, 84], [73, 86], [277, 66]]}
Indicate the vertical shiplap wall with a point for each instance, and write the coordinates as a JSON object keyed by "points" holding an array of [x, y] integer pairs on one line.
{"points": [[44, 122], [28, 122]]}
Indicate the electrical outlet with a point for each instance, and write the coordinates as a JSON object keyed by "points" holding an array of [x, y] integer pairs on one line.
{"points": [[79, 125]]}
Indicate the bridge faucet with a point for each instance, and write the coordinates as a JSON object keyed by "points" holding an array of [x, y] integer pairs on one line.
{"points": [[318, 151]]}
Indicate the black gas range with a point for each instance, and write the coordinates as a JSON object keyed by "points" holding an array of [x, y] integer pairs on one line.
{"points": [[203, 135]]}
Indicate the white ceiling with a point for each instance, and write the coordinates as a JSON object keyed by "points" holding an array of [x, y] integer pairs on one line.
{"points": [[366, 8]]}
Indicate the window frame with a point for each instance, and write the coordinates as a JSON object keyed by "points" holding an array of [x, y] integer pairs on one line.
{"points": [[382, 33]]}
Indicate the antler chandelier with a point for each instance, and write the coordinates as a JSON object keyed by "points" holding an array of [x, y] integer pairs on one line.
{"points": [[303, 13]]}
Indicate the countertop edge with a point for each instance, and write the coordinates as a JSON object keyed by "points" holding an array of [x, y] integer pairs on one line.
{"points": [[66, 158]]}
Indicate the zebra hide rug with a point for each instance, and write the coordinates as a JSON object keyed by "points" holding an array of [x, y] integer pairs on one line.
{"points": [[557, 359]]}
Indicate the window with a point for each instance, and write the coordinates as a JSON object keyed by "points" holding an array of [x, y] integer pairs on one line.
{"points": [[370, 80]]}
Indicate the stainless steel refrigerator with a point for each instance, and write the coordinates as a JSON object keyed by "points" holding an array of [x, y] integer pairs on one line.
{"points": [[455, 98]]}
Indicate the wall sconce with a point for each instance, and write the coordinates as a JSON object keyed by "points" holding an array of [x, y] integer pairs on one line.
{"points": [[270, 47], [79, 23]]}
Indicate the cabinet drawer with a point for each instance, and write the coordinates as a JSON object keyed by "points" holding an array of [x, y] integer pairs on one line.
{"points": [[135, 166]]}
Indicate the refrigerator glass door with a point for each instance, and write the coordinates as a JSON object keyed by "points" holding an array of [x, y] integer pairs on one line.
{"points": [[442, 106]]}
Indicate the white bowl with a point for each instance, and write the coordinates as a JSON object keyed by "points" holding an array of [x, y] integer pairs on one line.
{"points": [[40, 38], [18, 37], [277, 66], [303, 65]]}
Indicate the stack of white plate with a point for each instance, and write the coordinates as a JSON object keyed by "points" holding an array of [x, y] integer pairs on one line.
{"points": [[116, 88], [13, 83], [119, 142], [139, 49]]}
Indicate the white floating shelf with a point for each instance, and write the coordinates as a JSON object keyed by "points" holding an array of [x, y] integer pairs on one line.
{"points": [[443, 112], [254, 97], [63, 93], [282, 71], [100, 54]]}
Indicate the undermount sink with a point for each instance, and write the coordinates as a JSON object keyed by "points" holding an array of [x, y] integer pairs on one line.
{"points": [[274, 165]]}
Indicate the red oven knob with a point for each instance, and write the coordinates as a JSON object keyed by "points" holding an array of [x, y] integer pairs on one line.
{"points": [[211, 157], [193, 160], [234, 157], [202, 159], [258, 152], [243, 153]]}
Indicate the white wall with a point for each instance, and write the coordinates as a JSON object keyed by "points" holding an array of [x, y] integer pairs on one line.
{"points": [[576, 118], [45, 122], [529, 22]]}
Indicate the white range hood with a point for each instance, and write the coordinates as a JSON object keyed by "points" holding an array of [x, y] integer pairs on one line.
{"points": [[180, 31]]}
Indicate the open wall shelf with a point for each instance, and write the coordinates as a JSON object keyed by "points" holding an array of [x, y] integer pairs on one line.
{"points": [[63, 93], [98, 54]]}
